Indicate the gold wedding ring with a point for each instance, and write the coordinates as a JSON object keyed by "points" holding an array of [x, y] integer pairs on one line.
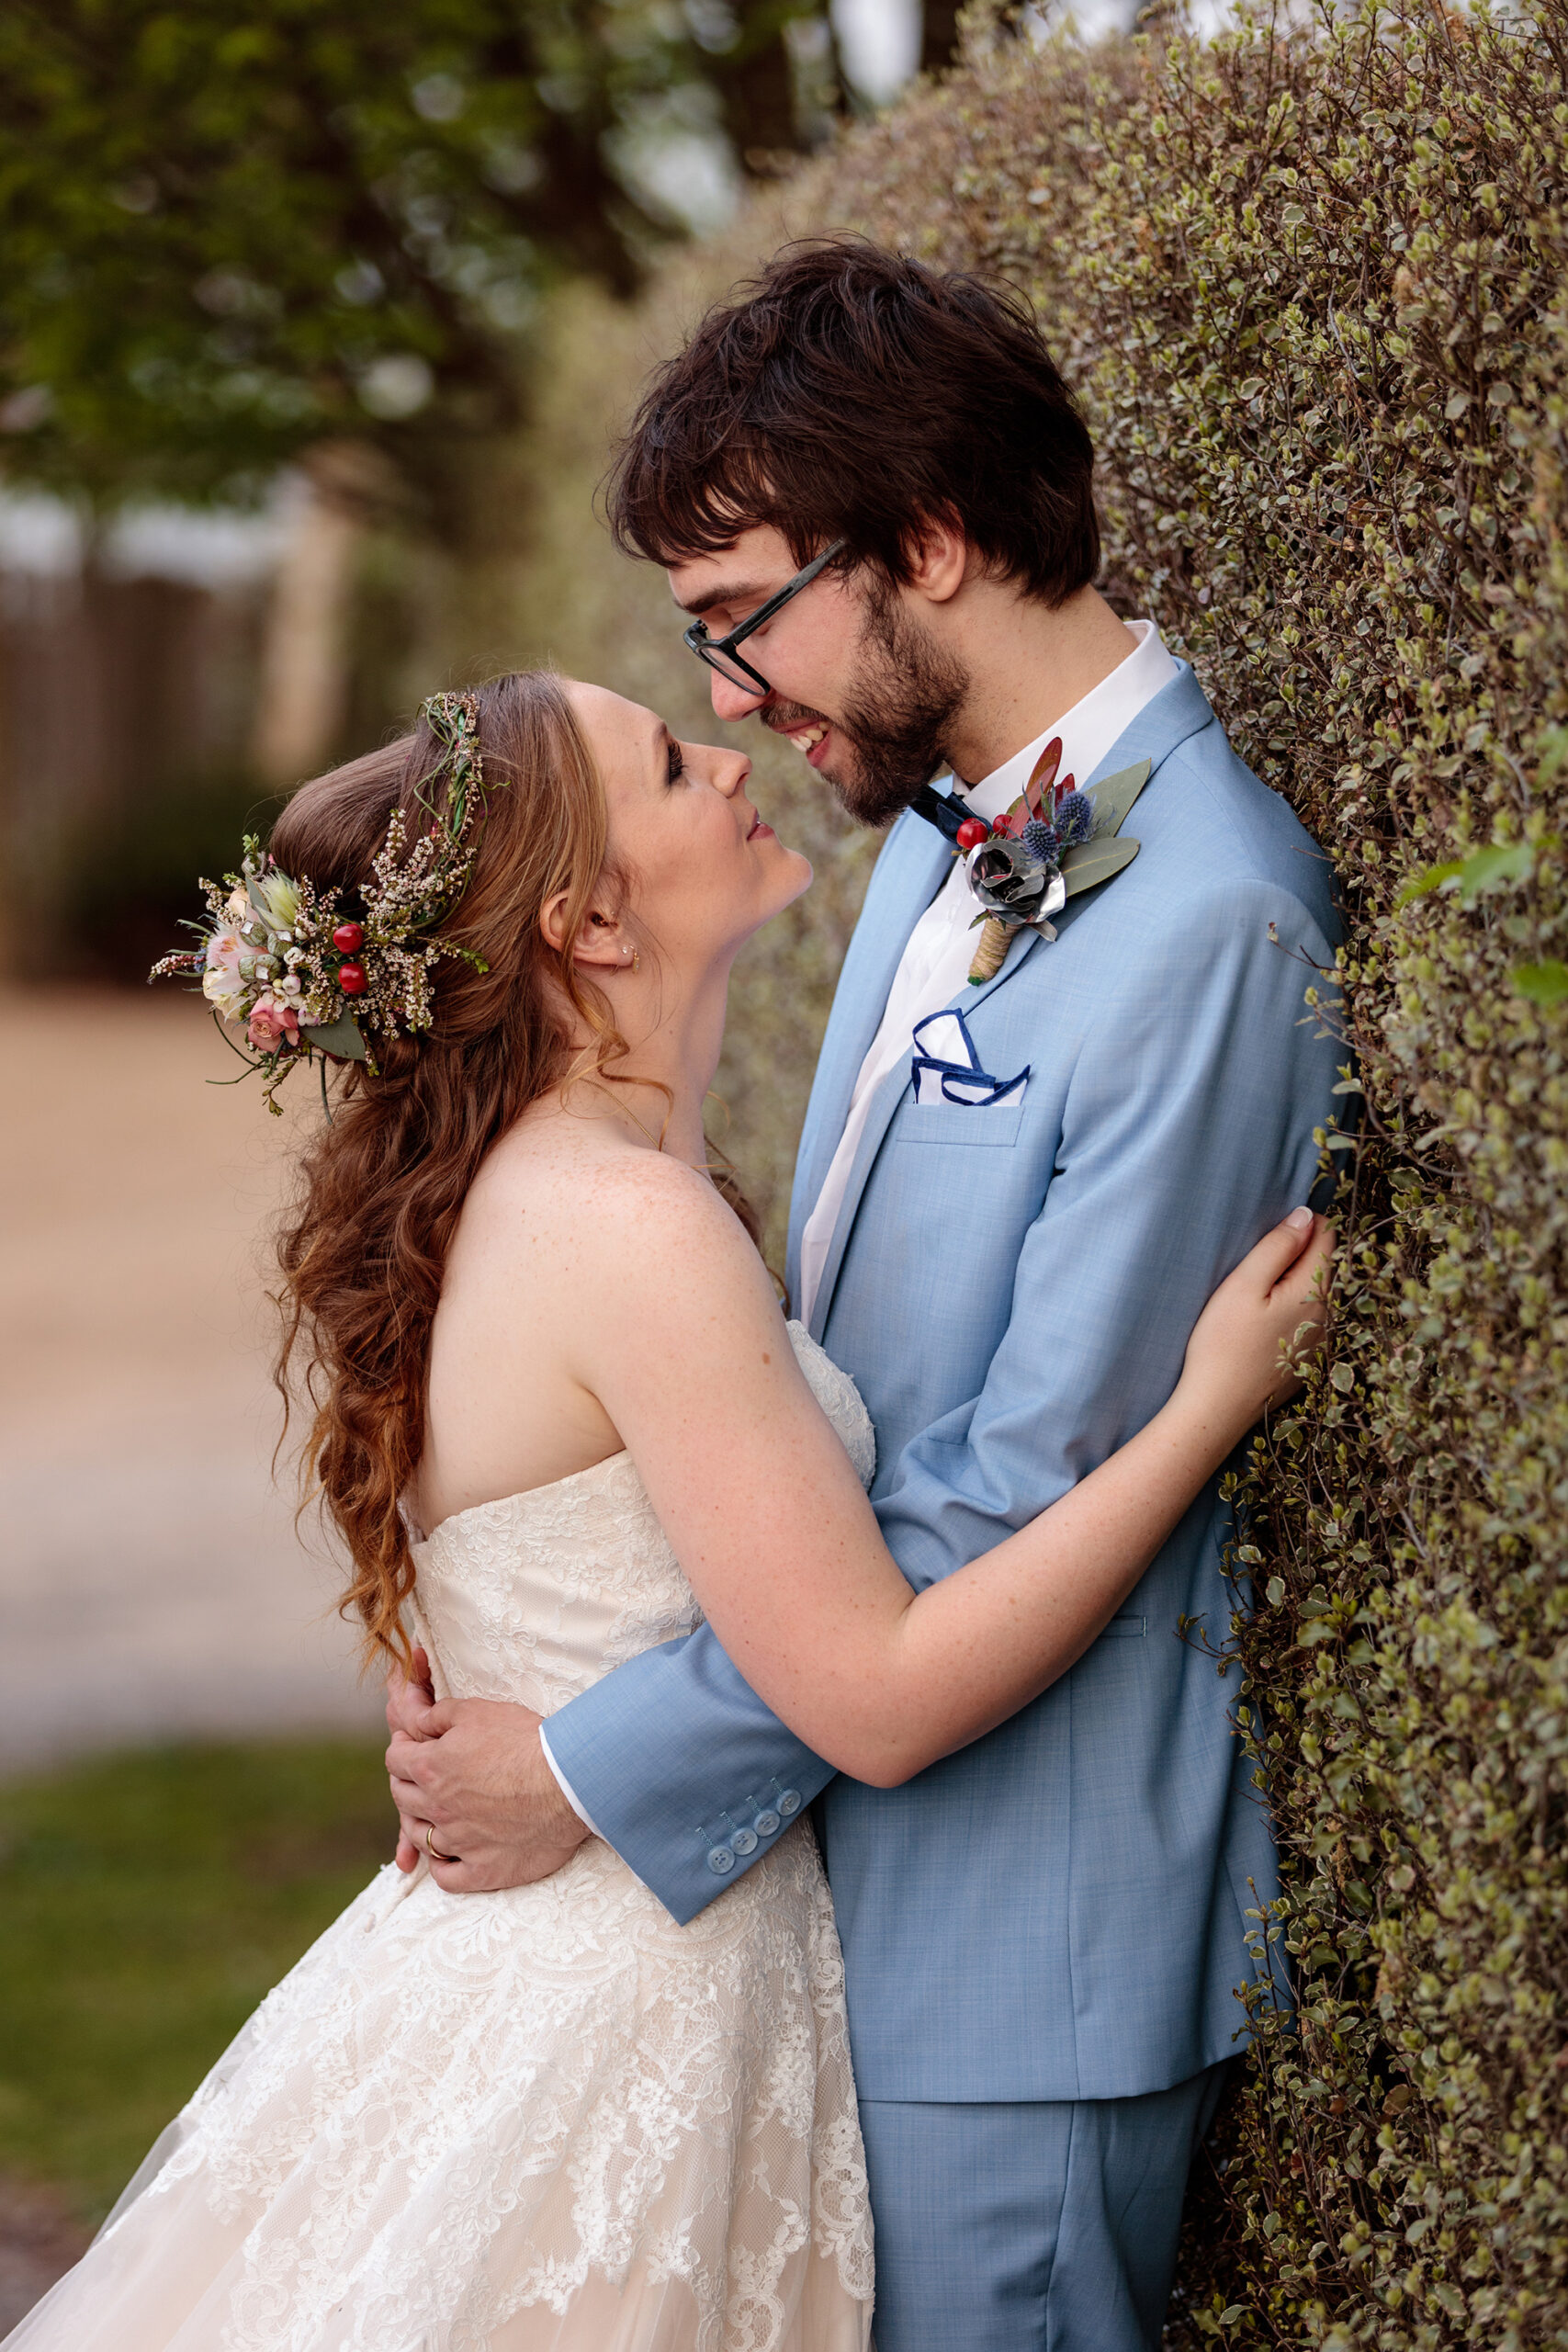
{"points": [[430, 1845]]}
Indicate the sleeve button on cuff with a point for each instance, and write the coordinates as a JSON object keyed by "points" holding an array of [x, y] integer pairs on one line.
{"points": [[744, 1841], [765, 1824], [720, 1859], [789, 1803]]}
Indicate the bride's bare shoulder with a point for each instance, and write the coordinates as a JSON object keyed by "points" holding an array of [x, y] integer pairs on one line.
{"points": [[605, 1191]]}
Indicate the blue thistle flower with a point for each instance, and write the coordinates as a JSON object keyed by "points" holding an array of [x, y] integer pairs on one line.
{"points": [[1041, 841], [1074, 818]]}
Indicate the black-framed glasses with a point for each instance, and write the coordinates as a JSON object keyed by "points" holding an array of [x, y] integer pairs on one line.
{"points": [[719, 653]]}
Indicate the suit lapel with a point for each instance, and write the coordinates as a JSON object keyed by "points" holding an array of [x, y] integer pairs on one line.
{"points": [[1178, 710]]}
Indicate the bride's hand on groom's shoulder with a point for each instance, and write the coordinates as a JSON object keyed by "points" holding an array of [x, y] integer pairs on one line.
{"points": [[473, 1791], [1249, 1343]]}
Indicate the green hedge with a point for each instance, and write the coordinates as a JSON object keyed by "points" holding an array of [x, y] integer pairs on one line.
{"points": [[1312, 286]]}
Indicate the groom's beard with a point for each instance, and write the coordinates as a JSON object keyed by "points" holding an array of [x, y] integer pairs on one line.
{"points": [[897, 722]]}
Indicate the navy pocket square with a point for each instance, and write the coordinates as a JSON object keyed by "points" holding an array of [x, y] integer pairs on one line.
{"points": [[946, 1069]]}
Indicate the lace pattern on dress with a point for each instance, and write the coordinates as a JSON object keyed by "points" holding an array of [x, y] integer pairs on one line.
{"points": [[547, 2118]]}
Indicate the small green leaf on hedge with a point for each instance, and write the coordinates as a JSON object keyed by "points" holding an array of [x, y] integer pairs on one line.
{"points": [[1432, 879], [1553, 753], [1492, 868], [1541, 983]]}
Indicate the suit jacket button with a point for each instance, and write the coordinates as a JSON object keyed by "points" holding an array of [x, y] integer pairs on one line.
{"points": [[789, 1801], [720, 1859], [765, 1824], [744, 1841]]}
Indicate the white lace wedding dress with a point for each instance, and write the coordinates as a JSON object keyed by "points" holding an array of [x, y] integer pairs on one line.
{"points": [[544, 2120]]}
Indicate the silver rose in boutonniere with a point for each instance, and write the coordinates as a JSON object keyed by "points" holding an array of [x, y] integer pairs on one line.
{"points": [[1014, 885], [1051, 843]]}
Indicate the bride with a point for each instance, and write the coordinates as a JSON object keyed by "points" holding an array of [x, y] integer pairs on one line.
{"points": [[558, 1417]]}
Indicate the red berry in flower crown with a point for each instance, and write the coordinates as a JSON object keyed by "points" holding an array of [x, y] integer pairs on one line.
{"points": [[348, 938], [972, 832], [350, 978]]}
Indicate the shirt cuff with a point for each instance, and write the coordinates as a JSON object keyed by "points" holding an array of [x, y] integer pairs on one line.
{"points": [[568, 1791]]}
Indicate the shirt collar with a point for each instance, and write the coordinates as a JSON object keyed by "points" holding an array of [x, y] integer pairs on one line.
{"points": [[1087, 731]]}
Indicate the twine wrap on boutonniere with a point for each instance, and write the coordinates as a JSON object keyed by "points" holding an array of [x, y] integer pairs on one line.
{"points": [[1054, 843]]}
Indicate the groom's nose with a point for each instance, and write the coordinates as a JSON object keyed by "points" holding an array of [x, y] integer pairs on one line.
{"points": [[730, 701]]}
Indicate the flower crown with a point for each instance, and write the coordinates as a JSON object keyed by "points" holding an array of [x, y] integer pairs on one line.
{"points": [[303, 976]]}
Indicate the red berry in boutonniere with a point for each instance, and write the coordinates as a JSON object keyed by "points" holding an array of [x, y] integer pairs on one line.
{"points": [[350, 978], [970, 833], [348, 938]]}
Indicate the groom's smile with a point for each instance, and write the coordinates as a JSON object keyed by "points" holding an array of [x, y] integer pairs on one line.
{"points": [[807, 731]]}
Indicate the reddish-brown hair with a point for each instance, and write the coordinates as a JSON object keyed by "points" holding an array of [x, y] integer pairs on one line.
{"points": [[363, 1250], [852, 393]]}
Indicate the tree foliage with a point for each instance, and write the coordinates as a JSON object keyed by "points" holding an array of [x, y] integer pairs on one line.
{"points": [[238, 227]]}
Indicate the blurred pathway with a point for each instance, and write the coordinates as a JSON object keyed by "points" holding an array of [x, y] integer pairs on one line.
{"points": [[39, 2241], [151, 1582]]}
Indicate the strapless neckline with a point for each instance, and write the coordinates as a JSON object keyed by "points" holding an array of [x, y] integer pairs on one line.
{"points": [[455, 1519]]}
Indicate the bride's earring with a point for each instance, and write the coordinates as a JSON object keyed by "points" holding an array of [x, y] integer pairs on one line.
{"points": [[634, 956]]}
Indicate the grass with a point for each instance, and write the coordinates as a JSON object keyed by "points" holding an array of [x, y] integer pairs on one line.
{"points": [[147, 1902]]}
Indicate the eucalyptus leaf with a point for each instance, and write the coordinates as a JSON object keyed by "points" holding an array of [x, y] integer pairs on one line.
{"points": [[1097, 861], [1113, 795], [342, 1038]]}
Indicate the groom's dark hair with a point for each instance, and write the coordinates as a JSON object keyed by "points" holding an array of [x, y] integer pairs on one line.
{"points": [[850, 392]]}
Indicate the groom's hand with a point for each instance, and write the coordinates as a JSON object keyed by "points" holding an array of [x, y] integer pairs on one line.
{"points": [[471, 1772]]}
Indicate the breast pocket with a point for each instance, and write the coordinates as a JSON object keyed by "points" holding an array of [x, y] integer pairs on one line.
{"points": [[978, 1123]]}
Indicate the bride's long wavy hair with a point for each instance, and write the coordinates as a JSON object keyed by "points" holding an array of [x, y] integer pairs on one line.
{"points": [[364, 1246]]}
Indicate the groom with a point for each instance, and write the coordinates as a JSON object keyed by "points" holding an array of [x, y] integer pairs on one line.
{"points": [[1043, 1934]]}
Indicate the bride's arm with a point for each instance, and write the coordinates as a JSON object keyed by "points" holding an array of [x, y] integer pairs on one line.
{"points": [[679, 1338]]}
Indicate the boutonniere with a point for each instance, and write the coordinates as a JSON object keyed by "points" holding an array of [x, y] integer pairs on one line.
{"points": [[1054, 843]]}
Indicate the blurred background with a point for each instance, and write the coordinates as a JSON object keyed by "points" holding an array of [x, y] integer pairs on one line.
{"points": [[316, 321]]}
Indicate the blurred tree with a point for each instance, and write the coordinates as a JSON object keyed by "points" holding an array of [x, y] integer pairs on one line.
{"points": [[235, 228], [235, 233]]}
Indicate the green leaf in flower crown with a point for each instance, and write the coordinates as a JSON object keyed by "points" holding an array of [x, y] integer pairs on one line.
{"points": [[342, 1038], [1112, 797], [1097, 861]]}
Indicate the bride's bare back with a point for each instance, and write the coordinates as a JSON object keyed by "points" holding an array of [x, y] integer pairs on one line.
{"points": [[508, 1408]]}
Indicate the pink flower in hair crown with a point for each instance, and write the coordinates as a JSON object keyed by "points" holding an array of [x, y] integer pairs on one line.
{"points": [[221, 982], [273, 1022]]}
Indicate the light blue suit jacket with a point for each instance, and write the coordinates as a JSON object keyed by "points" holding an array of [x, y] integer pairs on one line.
{"points": [[1058, 1911]]}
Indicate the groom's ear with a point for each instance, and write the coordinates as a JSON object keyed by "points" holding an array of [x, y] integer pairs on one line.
{"points": [[937, 553]]}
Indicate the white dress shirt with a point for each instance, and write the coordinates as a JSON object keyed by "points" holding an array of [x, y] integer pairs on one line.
{"points": [[935, 965]]}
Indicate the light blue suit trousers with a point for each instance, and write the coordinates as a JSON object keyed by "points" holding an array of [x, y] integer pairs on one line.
{"points": [[1057, 1914], [1049, 2224]]}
